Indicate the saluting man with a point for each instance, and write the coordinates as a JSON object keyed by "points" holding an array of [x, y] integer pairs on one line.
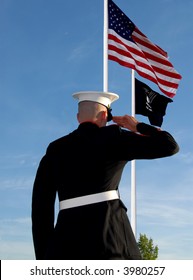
{"points": [[85, 168]]}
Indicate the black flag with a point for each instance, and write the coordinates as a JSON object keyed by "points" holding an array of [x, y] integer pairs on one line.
{"points": [[150, 103]]}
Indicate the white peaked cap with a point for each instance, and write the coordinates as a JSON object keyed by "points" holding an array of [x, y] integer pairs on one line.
{"points": [[104, 98]]}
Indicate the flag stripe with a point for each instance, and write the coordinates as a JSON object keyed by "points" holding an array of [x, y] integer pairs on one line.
{"points": [[157, 56], [136, 59], [148, 74], [137, 34], [127, 49], [151, 69], [137, 65], [131, 48], [125, 63]]}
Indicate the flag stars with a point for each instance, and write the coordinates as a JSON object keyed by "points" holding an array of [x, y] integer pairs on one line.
{"points": [[119, 22]]}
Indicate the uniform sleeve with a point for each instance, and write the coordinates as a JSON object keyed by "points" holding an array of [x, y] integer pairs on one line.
{"points": [[148, 143], [43, 201]]}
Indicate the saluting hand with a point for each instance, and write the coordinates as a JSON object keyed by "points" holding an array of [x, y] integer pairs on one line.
{"points": [[126, 121]]}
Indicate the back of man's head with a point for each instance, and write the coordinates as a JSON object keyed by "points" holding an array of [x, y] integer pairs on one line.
{"points": [[89, 111]]}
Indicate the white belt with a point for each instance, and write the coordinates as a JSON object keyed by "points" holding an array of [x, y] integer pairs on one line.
{"points": [[88, 199]]}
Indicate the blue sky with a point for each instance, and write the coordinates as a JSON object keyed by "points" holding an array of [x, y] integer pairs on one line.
{"points": [[52, 48]]}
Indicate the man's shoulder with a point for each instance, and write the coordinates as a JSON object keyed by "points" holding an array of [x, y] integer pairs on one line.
{"points": [[113, 128], [61, 141]]}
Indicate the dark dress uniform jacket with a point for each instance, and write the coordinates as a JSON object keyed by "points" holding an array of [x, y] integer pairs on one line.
{"points": [[87, 161]]}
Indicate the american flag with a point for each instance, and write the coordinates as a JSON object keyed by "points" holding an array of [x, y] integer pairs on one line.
{"points": [[128, 46]]}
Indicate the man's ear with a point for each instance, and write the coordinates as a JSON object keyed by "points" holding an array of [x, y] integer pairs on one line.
{"points": [[104, 115]]}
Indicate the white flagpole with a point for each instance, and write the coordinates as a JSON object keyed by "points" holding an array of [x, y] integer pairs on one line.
{"points": [[133, 167], [105, 47]]}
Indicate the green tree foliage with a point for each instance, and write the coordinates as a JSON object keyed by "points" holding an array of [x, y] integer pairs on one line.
{"points": [[147, 249]]}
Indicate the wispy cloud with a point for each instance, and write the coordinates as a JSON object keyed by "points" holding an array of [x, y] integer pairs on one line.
{"points": [[167, 213], [10, 161], [16, 183], [82, 51]]}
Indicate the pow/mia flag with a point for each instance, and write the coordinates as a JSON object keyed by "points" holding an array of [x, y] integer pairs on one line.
{"points": [[150, 103]]}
